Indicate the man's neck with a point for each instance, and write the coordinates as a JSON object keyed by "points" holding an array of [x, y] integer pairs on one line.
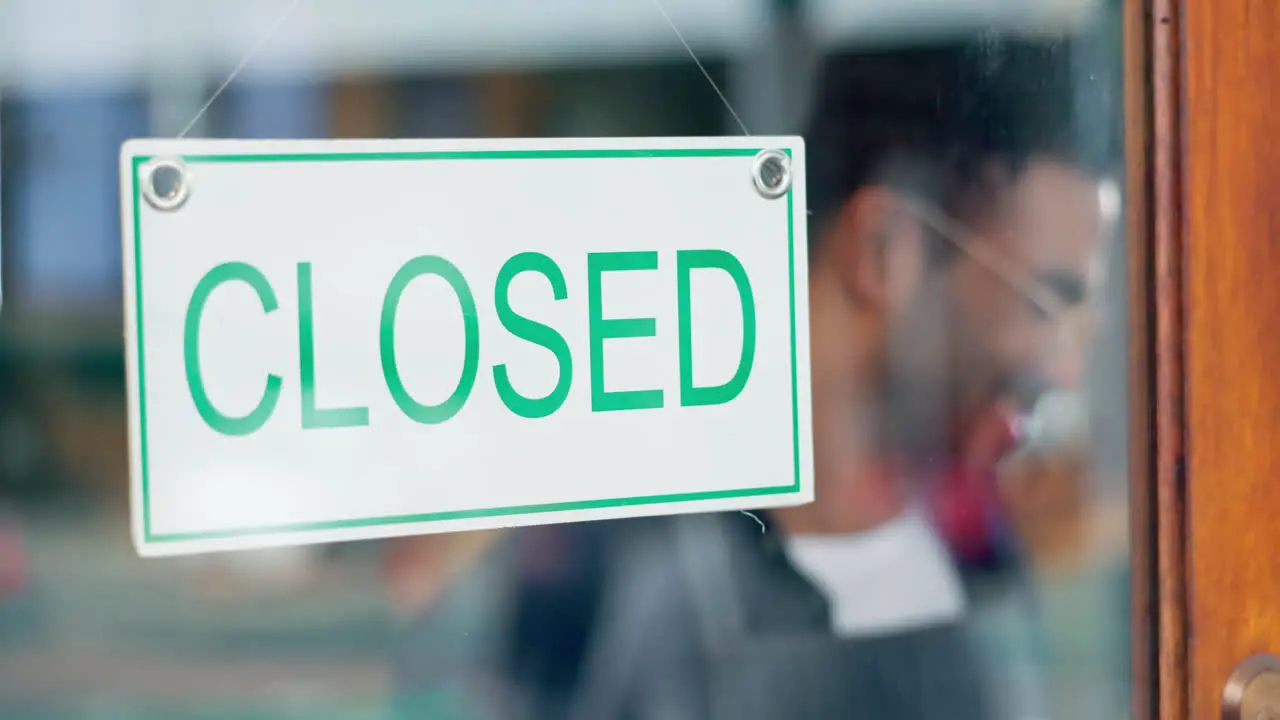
{"points": [[857, 486]]}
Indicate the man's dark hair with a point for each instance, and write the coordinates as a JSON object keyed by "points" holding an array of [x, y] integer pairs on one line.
{"points": [[931, 121]]}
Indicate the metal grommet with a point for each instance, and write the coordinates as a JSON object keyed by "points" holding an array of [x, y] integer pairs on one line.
{"points": [[771, 173], [166, 185]]}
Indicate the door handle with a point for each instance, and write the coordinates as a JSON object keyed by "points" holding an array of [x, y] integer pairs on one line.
{"points": [[1253, 690]]}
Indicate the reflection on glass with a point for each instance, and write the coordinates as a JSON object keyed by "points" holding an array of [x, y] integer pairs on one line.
{"points": [[966, 557]]}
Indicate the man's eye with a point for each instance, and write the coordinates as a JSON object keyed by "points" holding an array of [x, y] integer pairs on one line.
{"points": [[1069, 289]]}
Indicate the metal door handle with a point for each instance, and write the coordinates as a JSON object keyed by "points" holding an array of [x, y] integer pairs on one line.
{"points": [[1253, 690]]}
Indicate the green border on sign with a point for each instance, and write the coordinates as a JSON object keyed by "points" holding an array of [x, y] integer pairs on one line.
{"points": [[151, 537]]}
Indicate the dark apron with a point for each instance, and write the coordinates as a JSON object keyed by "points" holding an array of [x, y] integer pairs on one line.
{"points": [[929, 673]]}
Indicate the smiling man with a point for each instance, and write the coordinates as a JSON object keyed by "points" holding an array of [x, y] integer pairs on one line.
{"points": [[954, 229]]}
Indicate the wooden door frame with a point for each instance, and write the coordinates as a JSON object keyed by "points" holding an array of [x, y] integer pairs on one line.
{"points": [[1201, 97]]}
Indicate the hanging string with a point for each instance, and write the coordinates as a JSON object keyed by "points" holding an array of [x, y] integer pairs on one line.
{"points": [[680, 36], [274, 27]]}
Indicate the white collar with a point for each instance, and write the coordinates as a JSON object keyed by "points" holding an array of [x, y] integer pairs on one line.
{"points": [[896, 576]]}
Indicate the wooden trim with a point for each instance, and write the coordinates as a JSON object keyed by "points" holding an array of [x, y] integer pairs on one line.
{"points": [[1168, 348], [1153, 148], [1229, 223]]}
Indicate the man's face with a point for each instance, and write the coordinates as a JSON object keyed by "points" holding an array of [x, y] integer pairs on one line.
{"points": [[972, 338]]}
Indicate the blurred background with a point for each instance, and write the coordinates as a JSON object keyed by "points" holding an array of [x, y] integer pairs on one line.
{"points": [[88, 630]]}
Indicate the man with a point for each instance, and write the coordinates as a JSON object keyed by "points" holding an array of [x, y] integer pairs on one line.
{"points": [[953, 231]]}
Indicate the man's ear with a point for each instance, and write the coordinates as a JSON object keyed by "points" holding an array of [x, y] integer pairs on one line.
{"points": [[878, 248]]}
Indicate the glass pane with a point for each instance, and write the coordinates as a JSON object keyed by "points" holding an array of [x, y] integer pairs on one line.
{"points": [[966, 556]]}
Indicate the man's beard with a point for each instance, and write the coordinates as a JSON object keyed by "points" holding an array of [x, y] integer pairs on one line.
{"points": [[933, 425], [918, 424]]}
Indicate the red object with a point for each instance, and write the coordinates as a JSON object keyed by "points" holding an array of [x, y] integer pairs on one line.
{"points": [[965, 501], [962, 507]]}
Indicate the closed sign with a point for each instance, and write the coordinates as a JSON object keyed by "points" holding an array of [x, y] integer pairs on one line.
{"points": [[331, 340]]}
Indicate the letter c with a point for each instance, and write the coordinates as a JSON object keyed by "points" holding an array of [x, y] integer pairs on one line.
{"points": [[214, 418]]}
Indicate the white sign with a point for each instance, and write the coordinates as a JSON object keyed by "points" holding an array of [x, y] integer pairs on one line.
{"points": [[331, 340]]}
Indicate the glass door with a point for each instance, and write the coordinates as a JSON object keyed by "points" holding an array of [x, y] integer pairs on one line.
{"points": [[978, 282]]}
